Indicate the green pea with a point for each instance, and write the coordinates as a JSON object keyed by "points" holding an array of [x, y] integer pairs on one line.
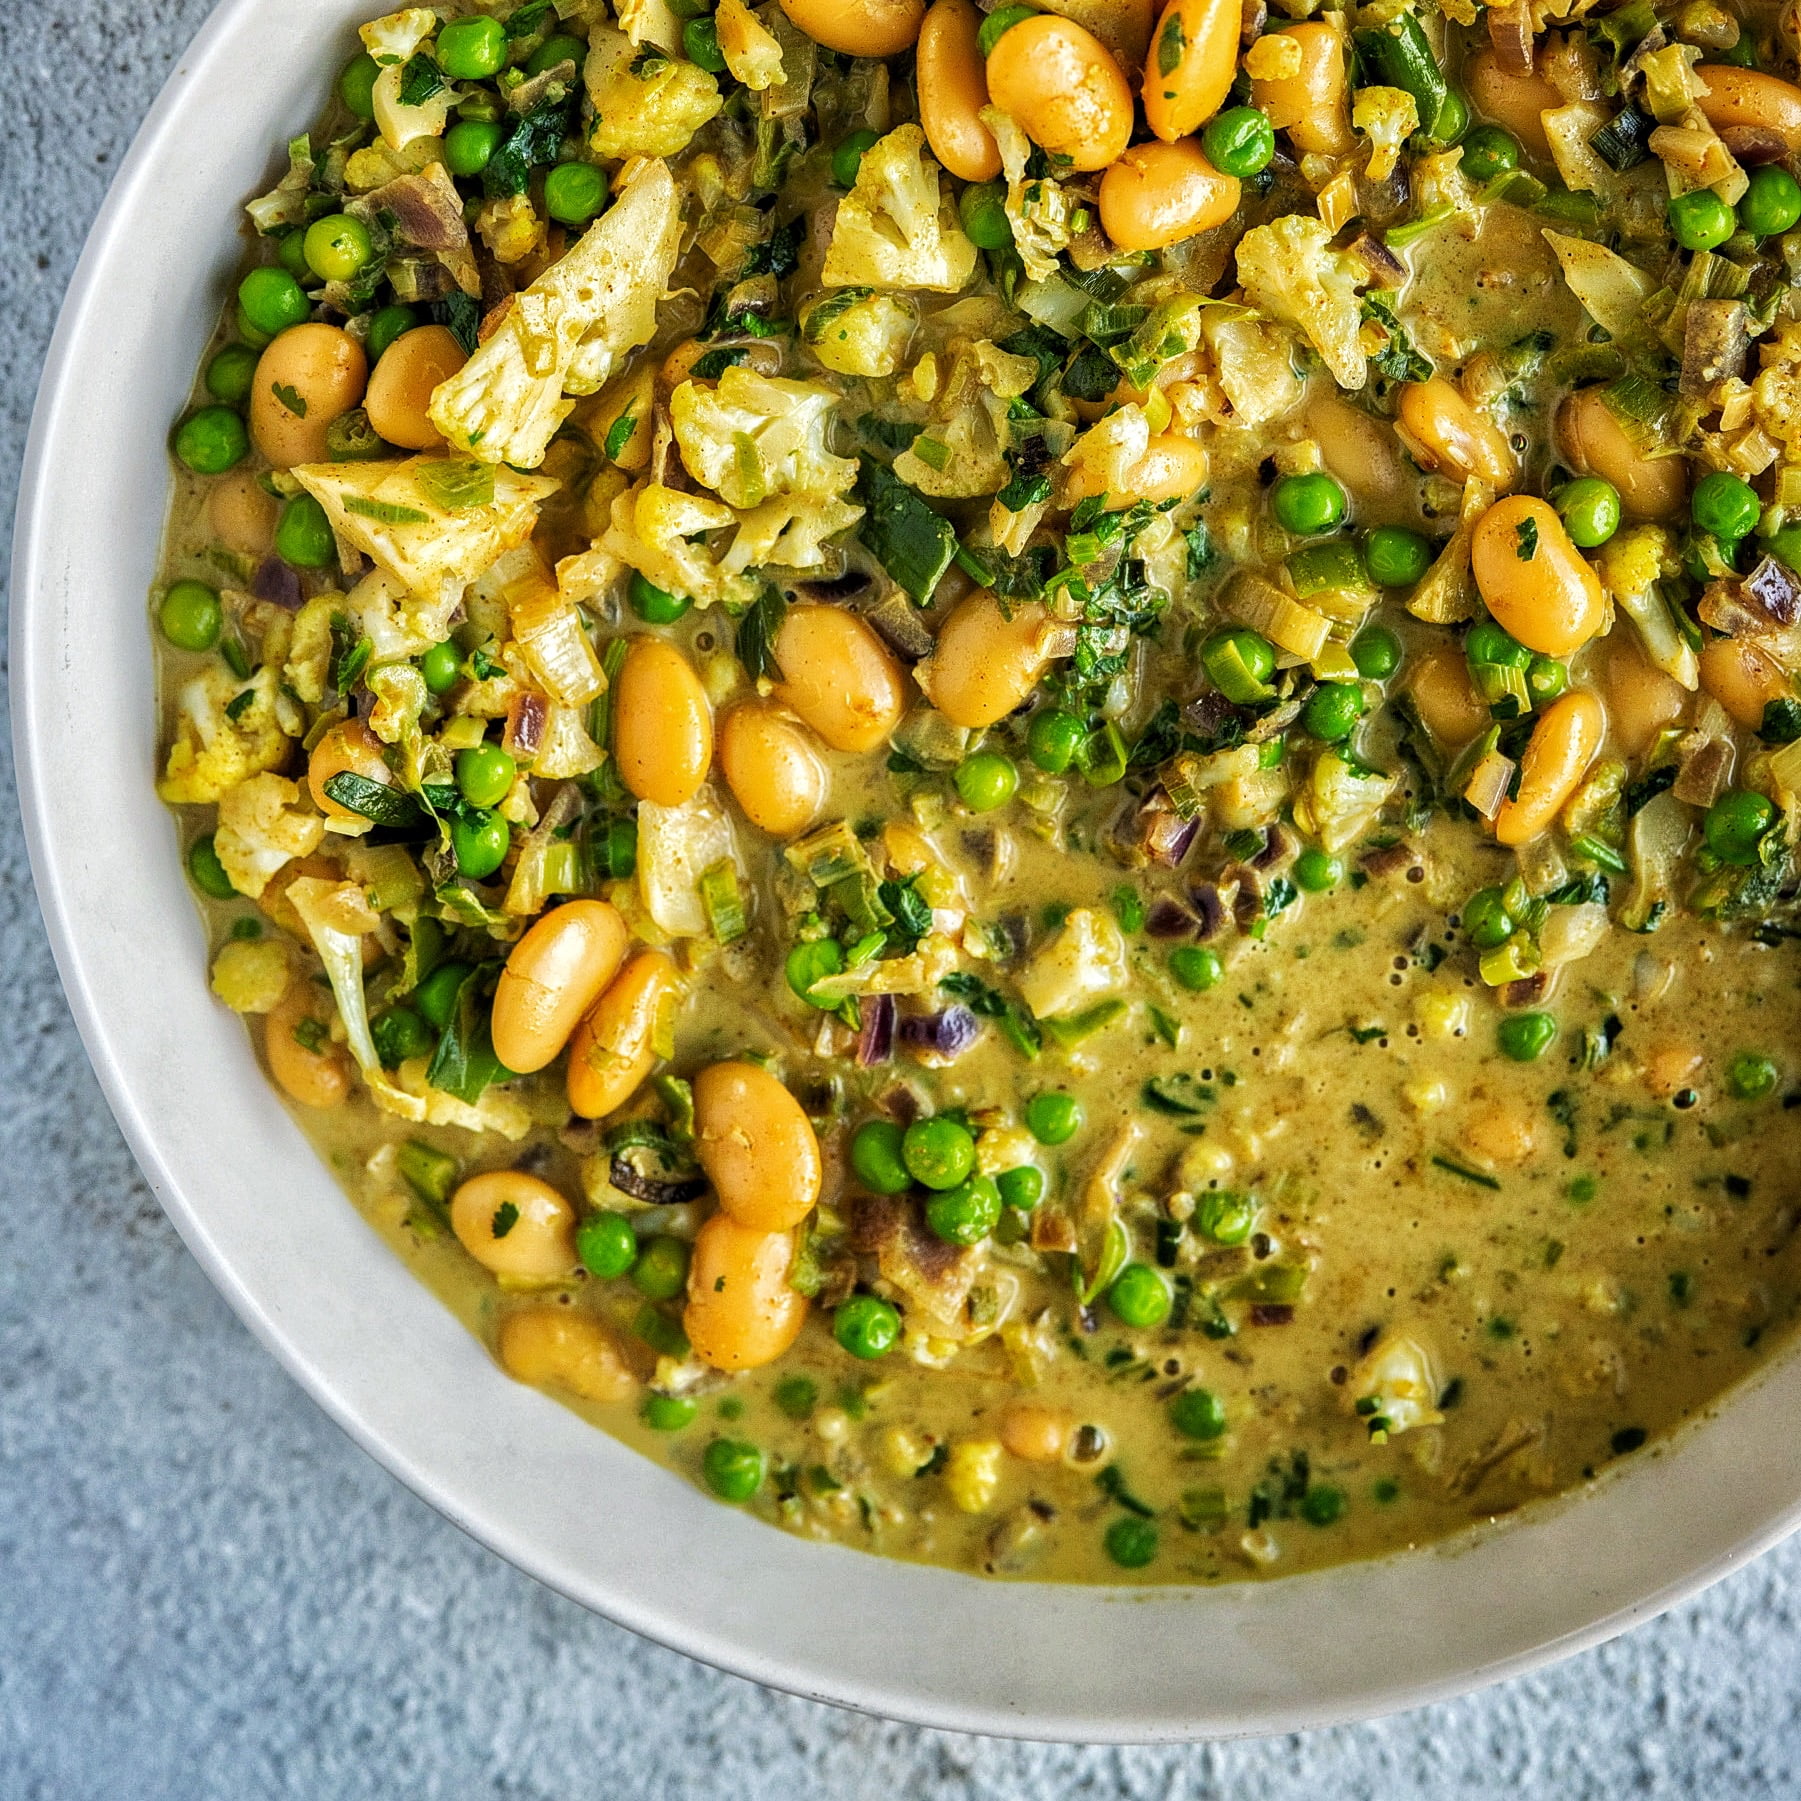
{"points": [[847, 159], [442, 667], [607, 1245], [1198, 1413], [700, 41], [654, 605], [1488, 152], [1785, 546], [866, 1326], [1239, 663], [485, 775], [1140, 1296], [211, 440], [1053, 1117], [1131, 1542], [273, 300], [1317, 871], [1771, 204], [1452, 122], [481, 841], [257, 340], [385, 325], [1021, 1188], [669, 1413], [337, 247], [1725, 505], [575, 192], [1750, 1076], [812, 962], [1546, 678], [303, 535], [1590, 510], [399, 1033], [469, 145], [1486, 921], [356, 85], [206, 871], [1225, 1216], [1196, 967], [1396, 557], [1053, 739], [732, 1468], [1742, 52], [290, 252], [999, 23], [1701, 220], [1240, 141], [191, 616], [1525, 1037], [661, 1271], [1322, 1504], [982, 208], [967, 1213], [562, 48], [1735, 823], [1489, 645], [230, 373], [436, 997], [472, 49], [986, 781], [1308, 504], [938, 1152], [875, 1157], [1332, 711]]}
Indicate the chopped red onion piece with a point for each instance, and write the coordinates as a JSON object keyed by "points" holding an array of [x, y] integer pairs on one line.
{"points": [[946, 1034], [276, 583], [527, 715], [875, 1041]]}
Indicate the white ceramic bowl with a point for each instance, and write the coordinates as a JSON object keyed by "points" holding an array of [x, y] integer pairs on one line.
{"points": [[409, 1384]]}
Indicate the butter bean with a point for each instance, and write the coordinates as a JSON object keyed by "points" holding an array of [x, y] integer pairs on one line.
{"points": [[321, 368], [741, 1313], [1189, 71], [348, 747], [1448, 705], [1557, 756], [859, 27], [986, 664], [1312, 106], [756, 1145], [318, 1078], [1742, 679], [1515, 101], [615, 1046], [1596, 443], [1750, 97], [838, 675], [1065, 90], [1533, 579], [772, 767], [242, 513], [1035, 1432], [515, 1225], [1158, 194], [1641, 699], [952, 80], [400, 388], [554, 975], [556, 1347], [1457, 440], [662, 724]]}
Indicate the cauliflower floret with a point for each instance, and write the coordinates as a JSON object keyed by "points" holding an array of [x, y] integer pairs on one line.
{"points": [[644, 103], [650, 531], [1084, 961], [510, 227], [961, 453], [411, 1096], [1103, 459], [1291, 271], [896, 228], [1630, 565], [390, 512], [251, 977], [1253, 362], [676, 847], [401, 124], [1394, 1389], [566, 331], [1037, 208], [856, 331], [391, 39], [750, 52], [263, 824], [643, 21], [216, 747], [1340, 800], [972, 1474], [1388, 117], [284, 206], [757, 435], [375, 165]]}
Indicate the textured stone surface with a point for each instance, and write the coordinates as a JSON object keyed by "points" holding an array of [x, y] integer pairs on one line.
{"points": [[205, 1591]]}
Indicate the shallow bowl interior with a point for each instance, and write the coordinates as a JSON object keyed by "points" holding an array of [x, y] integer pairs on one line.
{"points": [[390, 1364]]}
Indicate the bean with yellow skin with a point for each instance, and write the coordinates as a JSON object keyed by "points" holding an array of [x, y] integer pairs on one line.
{"points": [[741, 1313], [1750, 97], [348, 747], [1458, 442], [1035, 1432], [1193, 59], [838, 675], [315, 1078], [1533, 579], [556, 1347], [953, 88], [400, 387], [1515, 101], [1311, 106], [1361, 452], [756, 1145], [1671, 1067], [1172, 468], [1641, 700], [242, 514], [772, 767], [1596, 443], [662, 724], [554, 975], [985, 664], [1557, 756], [859, 27], [1158, 194], [515, 1225], [1448, 705], [1500, 1133], [1742, 679], [1065, 90], [614, 1047], [321, 368]]}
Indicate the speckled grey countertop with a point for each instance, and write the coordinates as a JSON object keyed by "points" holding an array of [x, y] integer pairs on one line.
{"points": [[206, 1591]]}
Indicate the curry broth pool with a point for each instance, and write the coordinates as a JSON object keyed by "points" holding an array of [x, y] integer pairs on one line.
{"points": [[1024, 780]]}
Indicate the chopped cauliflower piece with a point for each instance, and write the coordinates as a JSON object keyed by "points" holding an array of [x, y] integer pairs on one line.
{"points": [[961, 453], [751, 52], [411, 1096], [1612, 290], [897, 228], [263, 825], [1388, 117], [566, 331], [401, 124], [645, 104], [1340, 799], [1290, 270], [1103, 458], [214, 749], [643, 21], [566, 750], [510, 227], [757, 435], [856, 331], [1253, 362], [251, 976], [391, 39], [396, 513], [676, 847], [1084, 961], [1037, 208], [1394, 1389], [972, 1474]]}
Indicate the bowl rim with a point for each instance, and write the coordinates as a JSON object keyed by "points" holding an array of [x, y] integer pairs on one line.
{"points": [[925, 1678]]}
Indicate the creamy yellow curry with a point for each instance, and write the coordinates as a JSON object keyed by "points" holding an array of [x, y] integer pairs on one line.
{"points": [[1024, 779]]}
